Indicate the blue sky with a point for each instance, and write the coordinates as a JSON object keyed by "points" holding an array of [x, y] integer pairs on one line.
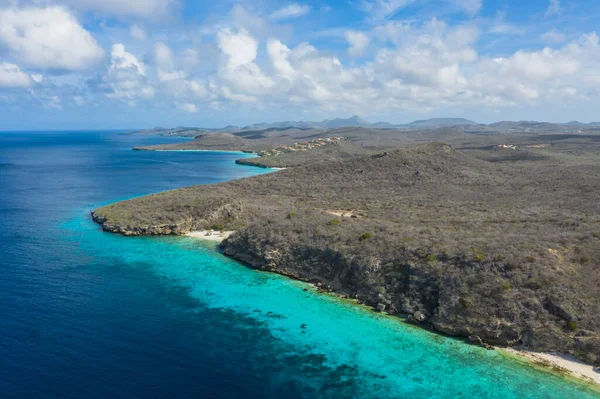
{"points": [[96, 64]]}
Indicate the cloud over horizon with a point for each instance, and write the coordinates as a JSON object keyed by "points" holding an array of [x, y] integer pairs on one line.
{"points": [[262, 62]]}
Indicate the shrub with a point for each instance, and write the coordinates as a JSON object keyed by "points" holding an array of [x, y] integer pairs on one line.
{"points": [[506, 286], [333, 222], [499, 258], [290, 215], [365, 236], [530, 259], [218, 227], [464, 302], [572, 326], [431, 258], [585, 260]]}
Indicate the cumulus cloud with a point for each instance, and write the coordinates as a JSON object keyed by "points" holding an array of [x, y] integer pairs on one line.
{"points": [[312, 77], [239, 70], [126, 78], [49, 37], [165, 68], [434, 65], [12, 76], [358, 41], [291, 11], [175, 83], [413, 66]]}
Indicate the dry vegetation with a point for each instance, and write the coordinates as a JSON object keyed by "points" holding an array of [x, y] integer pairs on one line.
{"points": [[505, 251]]}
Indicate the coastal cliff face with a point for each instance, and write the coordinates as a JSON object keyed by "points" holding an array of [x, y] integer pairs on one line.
{"points": [[499, 254], [450, 294]]}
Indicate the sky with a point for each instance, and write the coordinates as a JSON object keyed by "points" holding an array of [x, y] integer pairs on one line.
{"points": [[119, 64]]}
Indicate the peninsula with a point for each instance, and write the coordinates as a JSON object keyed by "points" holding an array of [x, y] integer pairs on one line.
{"points": [[496, 244]]}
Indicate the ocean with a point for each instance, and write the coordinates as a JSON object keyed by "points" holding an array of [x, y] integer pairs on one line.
{"points": [[88, 314]]}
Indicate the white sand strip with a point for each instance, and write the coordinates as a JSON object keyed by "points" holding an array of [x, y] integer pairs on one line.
{"points": [[211, 235], [566, 363]]}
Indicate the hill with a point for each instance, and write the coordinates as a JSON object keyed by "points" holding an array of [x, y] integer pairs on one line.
{"points": [[502, 253], [458, 124], [440, 122]]}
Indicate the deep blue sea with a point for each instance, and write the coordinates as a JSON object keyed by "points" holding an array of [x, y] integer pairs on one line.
{"points": [[88, 314]]}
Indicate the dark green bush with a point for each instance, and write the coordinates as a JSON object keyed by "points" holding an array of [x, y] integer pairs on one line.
{"points": [[365, 236]]}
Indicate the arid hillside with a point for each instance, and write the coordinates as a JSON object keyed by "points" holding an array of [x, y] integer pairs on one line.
{"points": [[501, 252]]}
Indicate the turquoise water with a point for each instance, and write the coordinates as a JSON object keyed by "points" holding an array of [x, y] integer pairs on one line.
{"points": [[91, 314], [383, 356]]}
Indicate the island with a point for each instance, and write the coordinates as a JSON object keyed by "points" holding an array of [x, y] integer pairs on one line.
{"points": [[493, 238]]}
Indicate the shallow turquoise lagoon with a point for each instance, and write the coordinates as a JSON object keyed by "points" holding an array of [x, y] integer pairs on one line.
{"points": [[369, 355]]}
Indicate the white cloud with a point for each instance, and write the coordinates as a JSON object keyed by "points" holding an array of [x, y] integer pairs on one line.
{"points": [[417, 67], [126, 77], [48, 38], [188, 107], [12, 76], [432, 66], [539, 65], [137, 32], [165, 69], [121, 59], [291, 11], [553, 37], [553, 8], [279, 53], [239, 70], [240, 48], [358, 42]]}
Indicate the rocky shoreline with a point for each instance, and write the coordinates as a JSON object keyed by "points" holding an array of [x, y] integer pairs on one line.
{"points": [[556, 362], [485, 336], [450, 241]]}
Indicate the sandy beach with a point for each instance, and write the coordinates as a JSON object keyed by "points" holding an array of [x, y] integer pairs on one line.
{"points": [[558, 361], [211, 235]]}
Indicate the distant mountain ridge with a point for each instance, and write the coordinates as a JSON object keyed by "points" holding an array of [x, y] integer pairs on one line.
{"points": [[357, 121], [460, 124]]}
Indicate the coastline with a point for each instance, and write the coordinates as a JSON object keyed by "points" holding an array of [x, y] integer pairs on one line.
{"points": [[559, 362], [210, 235], [549, 361]]}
